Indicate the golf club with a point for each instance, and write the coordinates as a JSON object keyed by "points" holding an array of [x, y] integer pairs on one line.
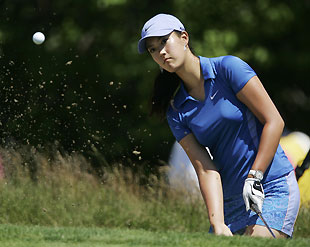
{"points": [[256, 210]]}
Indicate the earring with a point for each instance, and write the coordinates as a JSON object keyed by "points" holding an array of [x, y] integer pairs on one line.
{"points": [[184, 47], [161, 69]]}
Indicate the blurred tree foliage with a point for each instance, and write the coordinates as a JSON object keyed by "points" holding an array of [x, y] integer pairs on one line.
{"points": [[87, 89]]}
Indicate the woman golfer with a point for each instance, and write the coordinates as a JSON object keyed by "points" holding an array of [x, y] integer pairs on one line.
{"points": [[221, 104]]}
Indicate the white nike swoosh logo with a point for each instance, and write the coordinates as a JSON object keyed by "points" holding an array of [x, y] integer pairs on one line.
{"points": [[212, 97]]}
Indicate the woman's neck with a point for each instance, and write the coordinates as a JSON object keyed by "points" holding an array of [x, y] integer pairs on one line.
{"points": [[190, 73]]}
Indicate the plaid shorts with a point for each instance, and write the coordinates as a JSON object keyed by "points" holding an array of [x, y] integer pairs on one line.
{"points": [[280, 207]]}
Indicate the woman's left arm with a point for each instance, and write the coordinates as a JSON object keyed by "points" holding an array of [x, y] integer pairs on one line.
{"points": [[255, 97]]}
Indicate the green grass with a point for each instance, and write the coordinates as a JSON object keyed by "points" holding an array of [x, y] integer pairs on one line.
{"points": [[33, 236]]}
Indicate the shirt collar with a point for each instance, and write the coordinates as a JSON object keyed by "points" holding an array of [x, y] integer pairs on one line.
{"points": [[206, 67], [208, 73]]}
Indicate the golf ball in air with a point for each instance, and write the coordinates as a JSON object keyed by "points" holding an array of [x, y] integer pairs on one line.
{"points": [[38, 38]]}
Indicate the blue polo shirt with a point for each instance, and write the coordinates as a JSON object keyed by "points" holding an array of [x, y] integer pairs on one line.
{"points": [[223, 123]]}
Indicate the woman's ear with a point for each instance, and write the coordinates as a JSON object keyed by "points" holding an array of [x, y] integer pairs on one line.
{"points": [[185, 37]]}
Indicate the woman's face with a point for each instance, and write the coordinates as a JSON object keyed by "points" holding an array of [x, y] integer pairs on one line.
{"points": [[168, 51]]}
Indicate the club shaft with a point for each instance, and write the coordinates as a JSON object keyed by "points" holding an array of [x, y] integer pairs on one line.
{"points": [[261, 217]]}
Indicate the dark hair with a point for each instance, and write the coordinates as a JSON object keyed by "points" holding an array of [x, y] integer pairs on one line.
{"points": [[165, 85]]}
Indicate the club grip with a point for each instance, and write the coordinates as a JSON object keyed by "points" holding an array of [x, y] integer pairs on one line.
{"points": [[254, 207]]}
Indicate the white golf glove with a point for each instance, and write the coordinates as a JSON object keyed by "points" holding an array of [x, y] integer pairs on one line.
{"points": [[253, 194]]}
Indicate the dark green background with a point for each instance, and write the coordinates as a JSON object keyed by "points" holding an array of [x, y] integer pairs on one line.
{"points": [[86, 88]]}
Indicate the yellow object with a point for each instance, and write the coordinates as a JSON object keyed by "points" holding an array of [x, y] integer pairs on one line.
{"points": [[296, 146]]}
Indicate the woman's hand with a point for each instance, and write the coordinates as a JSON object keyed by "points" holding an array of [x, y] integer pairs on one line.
{"points": [[222, 229]]}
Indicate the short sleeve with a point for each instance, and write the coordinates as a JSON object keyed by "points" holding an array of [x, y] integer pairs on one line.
{"points": [[236, 72], [176, 124]]}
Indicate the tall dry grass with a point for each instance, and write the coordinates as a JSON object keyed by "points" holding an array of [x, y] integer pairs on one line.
{"points": [[62, 190]]}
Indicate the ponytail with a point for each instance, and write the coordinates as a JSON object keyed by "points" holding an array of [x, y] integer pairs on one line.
{"points": [[165, 86]]}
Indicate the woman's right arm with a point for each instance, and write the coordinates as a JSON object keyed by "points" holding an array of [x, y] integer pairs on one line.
{"points": [[209, 181]]}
